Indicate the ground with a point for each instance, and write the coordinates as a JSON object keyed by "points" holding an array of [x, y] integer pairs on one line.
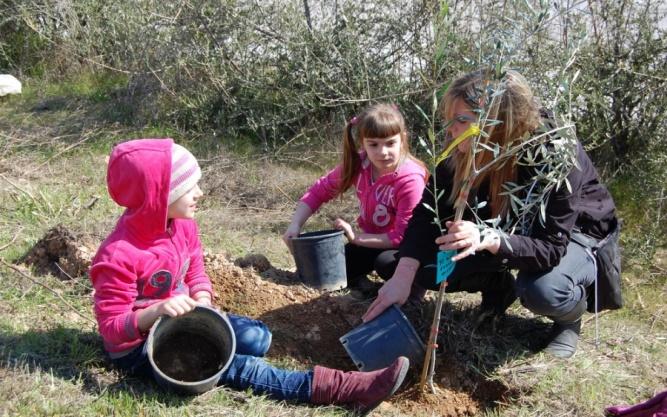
{"points": [[306, 323], [55, 212]]}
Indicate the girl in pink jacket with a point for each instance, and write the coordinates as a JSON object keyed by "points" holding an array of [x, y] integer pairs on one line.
{"points": [[388, 181], [152, 265]]}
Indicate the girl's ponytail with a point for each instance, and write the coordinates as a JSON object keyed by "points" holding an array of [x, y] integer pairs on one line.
{"points": [[351, 160]]}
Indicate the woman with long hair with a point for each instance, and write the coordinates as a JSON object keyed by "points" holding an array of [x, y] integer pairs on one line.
{"points": [[555, 271]]}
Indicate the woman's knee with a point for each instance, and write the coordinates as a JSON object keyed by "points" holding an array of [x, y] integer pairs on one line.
{"points": [[253, 337], [543, 293]]}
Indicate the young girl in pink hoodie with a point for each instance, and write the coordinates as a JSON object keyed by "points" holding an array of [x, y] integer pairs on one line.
{"points": [[152, 264], [388, 182]]}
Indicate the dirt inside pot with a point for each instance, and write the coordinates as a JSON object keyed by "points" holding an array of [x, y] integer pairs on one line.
{"points": [[188, 357]]}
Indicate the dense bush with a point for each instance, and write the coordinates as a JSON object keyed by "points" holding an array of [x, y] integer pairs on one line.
{"points": [[291, 71]]}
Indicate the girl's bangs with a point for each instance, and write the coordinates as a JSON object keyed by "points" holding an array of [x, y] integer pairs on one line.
{"points": [[380, 127]]}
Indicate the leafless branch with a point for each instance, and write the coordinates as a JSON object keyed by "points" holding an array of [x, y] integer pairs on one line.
{"points": [[31, 279]]}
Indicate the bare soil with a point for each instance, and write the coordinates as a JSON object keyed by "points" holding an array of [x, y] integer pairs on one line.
{"points": [[62, 253], [306, 324]]}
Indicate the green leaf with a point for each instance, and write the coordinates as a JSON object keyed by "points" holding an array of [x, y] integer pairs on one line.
{"points": [[423, 143], [485, 146], [439, 196], [492, 122], [493, 222], [497, 93], [429, 208], [431, 136], [422, 113]]}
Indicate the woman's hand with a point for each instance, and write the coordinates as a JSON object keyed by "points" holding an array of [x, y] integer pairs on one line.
{"points": [[395, 291], [341, 224], [465, 237]]}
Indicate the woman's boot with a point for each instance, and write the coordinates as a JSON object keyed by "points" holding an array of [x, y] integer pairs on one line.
{"points": [[565, 332], [361, 391]]}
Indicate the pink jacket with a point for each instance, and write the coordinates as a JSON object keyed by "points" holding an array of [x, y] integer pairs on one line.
{"points": [[385, 206], [146, 258]]}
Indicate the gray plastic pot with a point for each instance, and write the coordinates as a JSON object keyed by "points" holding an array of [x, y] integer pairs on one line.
{"points": [[189, 353], [320, 259], [377, 343]]}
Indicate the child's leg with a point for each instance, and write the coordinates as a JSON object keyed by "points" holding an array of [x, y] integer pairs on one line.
{"points": [[252, 336], [560, 294], [135, 363], [358, 390], [359, 261], [251, 372], [385, 263]]}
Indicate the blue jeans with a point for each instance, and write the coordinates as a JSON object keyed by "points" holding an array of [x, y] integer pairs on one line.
{"points": [[247, 369], [557, 291]]}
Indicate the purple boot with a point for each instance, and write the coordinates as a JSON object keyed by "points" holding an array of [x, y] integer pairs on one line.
{"points": [[361, 391]]}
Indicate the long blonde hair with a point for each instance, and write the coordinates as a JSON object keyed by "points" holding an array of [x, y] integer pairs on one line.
{"points": [[377, 121], [514, 107]]}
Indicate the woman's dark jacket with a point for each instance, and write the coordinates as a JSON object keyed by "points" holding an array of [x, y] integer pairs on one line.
{"points": [[589, 207]]}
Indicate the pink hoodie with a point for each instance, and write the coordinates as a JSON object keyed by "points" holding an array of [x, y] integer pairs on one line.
{"points": [[146, 258], [386, 205]]}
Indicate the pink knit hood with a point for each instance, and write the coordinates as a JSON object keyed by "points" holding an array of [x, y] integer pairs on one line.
{"points": [[138, 179]]}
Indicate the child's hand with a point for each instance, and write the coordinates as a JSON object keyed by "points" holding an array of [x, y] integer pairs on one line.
{"points": [[176, 306], [292, 231], [341, 224], [203, 298], [172, 307]]}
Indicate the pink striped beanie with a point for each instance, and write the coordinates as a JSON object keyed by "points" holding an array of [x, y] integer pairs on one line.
{"points": [[185, 172]]}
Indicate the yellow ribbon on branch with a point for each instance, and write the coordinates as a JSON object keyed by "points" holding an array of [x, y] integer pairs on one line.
{"points": [[473, 130]]}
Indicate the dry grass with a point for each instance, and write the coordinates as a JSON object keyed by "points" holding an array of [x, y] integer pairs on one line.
{"points": [[51, 362]]}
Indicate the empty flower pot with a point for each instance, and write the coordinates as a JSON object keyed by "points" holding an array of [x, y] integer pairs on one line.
{"points": [[189, 353], [320, 259], [377, 343]]}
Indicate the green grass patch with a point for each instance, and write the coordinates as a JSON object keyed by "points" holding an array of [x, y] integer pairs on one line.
{"points": [[51, 359], [96, 86]]}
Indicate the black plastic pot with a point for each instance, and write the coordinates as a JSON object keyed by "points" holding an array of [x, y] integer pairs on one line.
{"points": [[189, 353], [320, 259]]}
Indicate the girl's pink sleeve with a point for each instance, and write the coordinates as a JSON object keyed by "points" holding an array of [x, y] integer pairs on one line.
{"points": [[115, 294], [324, 189], [196, 277], [408, 195]]}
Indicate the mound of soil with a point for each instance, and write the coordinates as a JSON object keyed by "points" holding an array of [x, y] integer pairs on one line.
{"points": [[62, 253], [307, 323]]}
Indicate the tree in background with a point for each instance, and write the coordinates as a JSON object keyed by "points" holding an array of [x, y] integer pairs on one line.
{"points": [[287, 73]]}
